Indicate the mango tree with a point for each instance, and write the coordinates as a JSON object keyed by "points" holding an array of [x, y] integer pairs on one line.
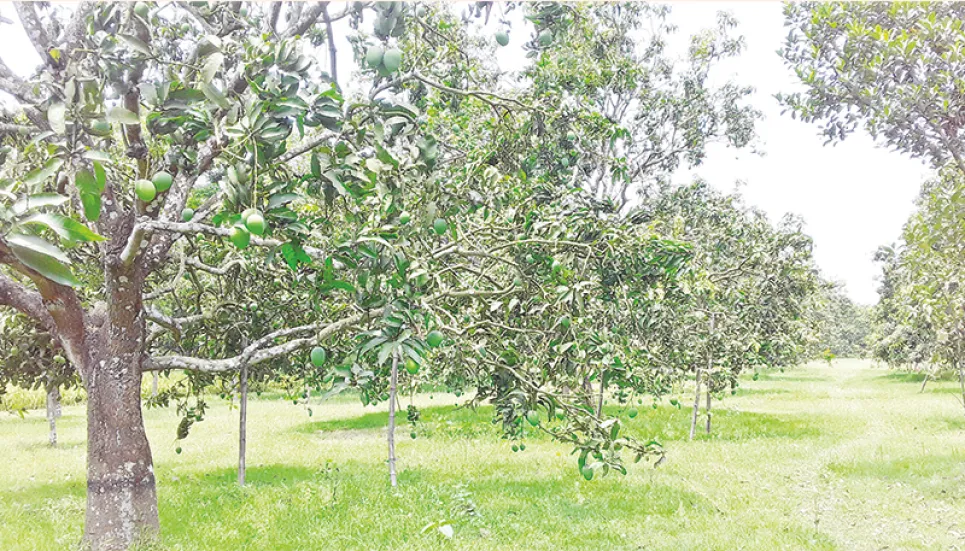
{"points": [[34, 360], [746, 289]]}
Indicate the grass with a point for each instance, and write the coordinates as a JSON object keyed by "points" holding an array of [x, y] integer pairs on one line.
{"points": [[817, 458]]}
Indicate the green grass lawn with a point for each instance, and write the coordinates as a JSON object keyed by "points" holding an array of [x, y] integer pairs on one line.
{"points": [[847, 457]]}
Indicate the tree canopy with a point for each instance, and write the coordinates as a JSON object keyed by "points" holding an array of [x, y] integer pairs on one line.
{"points": [[187, 187]]}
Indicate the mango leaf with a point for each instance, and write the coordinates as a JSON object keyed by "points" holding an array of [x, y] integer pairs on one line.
{"points": [[100, 176], [38, 200], [95, 155], [211, 67], [37, 244], [46, 265], [56, 116], [66, 228], [136, 43], [41, 174], [280, 199], [215, 95], [90, 194], [119, 114]]}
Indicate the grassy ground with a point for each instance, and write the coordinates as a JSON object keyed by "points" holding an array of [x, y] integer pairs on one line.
{"points": [[847, 457]]}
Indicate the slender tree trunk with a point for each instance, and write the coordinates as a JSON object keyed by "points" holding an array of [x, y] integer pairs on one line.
{"points": [[709, 397], [710, 363], [599, 400], [924, 382], [242, 423], [155, 381], [393, 387], [696, 412], [961, 379], [587, 391], [121, 491], [53, 410]]}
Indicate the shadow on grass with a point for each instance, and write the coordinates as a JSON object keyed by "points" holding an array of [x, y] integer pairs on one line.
{"points": [[798, 376], [746, 391], [666, 423], [935, 475], [913, 377]]}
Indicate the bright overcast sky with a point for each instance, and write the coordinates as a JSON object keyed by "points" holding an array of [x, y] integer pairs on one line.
{"points": [[853, 196]]}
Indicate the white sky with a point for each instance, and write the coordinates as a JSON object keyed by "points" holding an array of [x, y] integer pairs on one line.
{"points": [[853, 196]]}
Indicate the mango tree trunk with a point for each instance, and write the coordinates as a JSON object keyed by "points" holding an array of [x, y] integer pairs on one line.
{"points": [[53, 410], [242, 424], [696, 412], [709, 398], [393, 391], [121, 494]]}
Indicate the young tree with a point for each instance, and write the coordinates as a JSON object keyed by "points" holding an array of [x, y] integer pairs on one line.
{"points": [[933, 260], [32, 359], [746, 289]]}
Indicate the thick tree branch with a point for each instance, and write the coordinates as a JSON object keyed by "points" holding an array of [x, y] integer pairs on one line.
{"points": [[28, 302], [62, 306], [193, 228], [330, 37], [260, 351], [306, 20], [27, 12]]}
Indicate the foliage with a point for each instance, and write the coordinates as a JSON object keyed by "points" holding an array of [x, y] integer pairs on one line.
{"points": [[843, 328], [743, 303], [921, 316], [894, 68]]}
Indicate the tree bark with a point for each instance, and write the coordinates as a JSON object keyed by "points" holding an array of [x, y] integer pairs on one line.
{"points": [[599, 400], [154, 384], [53, 411], [961, 379], [709, 398], [924, 382], [121, 492], [393, 388], [121, 495], [696, 412], [242, 423]]}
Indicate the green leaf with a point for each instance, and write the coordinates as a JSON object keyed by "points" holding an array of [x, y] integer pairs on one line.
{"points": [[99, 156], [37, 244], [316, 166], [100, 176], [38, 200], [39, 175], [90, 194], [385, 351], [56, 116], [215, 96], [211, 67], [46, 265], [280, 199], [92, 205], [136, 43], [66, 228], [119, 114]]}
